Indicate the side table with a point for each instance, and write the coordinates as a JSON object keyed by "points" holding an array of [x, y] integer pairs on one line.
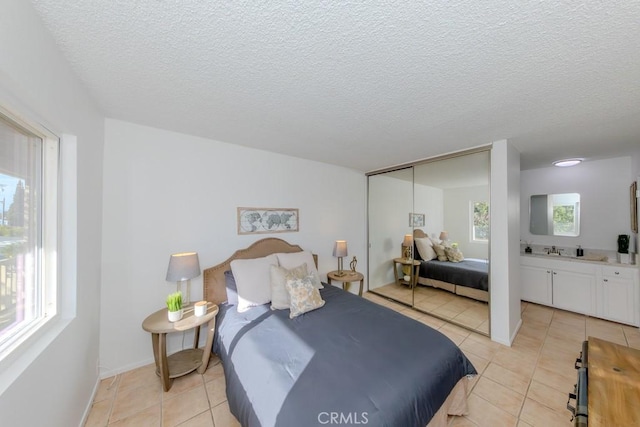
{"points": [[414, 271], [349, 276], [185, 361]]}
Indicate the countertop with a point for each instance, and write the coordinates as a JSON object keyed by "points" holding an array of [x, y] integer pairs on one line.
{"points": [[573, 258]]}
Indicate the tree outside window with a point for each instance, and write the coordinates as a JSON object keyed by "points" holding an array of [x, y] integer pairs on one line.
{"points": [[480, 225]]}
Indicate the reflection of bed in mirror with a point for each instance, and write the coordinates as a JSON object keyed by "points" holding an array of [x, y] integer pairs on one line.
{"points": [[469, 277]]}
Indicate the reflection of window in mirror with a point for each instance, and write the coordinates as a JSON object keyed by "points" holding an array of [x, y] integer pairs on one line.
{"points": [[566, 211], [479, 222], [555, 214]]}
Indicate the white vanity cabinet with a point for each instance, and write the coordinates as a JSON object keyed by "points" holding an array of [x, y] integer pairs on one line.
{"points": [[608, 291], [574, 289], [535, 284], [618, 294]]}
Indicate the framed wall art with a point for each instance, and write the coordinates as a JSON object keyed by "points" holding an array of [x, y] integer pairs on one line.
{"points": [[416, 220], [267, 220]]}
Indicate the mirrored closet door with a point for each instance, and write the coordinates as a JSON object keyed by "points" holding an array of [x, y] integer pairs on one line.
{"points": [[443, 205], [390, 202]]}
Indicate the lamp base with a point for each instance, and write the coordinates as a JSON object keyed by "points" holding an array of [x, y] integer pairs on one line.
{"points": [[186, 296], [340, 273]]}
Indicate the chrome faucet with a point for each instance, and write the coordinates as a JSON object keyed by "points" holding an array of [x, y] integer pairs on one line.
{"points": [[554, 251]]}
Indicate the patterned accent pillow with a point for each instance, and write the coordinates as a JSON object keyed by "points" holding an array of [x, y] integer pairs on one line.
{"points": [[453, 254], [304, 296], [442, 256], [279, 277]]}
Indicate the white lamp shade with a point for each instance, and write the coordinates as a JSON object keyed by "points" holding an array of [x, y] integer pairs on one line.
{"points": [[444, 235], [340, 248], [183, 266], [408, 240]]}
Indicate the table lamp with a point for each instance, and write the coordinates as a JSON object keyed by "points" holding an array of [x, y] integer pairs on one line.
{"points": [[183, 267], [444, 236], [407, 243], [340, 251]]}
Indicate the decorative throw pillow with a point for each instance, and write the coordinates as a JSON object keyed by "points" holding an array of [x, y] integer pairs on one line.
{"points": [[304, 296], [425, 248], [294, 259], [232, 288], [253, 281], [442, 256], [453, 254], [279, 277]]}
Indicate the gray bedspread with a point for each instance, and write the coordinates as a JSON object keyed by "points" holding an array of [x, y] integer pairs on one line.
{"points": [[351, 361], [469, 273]]}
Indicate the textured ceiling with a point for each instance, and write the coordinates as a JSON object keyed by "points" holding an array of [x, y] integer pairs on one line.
{"points": [[365, 84]]}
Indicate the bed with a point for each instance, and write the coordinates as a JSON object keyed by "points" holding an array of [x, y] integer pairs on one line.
{"points": [[469, 278], [350, 361]]}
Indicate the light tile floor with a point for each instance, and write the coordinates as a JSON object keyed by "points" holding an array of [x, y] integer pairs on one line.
{"points": [[523, 385], [460, 310]]}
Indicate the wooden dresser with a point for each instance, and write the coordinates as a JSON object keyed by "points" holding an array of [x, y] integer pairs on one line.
{"points": [[613, 373]]}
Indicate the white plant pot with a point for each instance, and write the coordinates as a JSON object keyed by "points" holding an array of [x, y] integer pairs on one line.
{"points": [[174, 316]]}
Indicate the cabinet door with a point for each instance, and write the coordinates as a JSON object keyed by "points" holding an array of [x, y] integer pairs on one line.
{"points": [[618, 300], [535, 284], [574, 291]]}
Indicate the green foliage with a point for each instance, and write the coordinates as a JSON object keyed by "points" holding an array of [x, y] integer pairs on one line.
{"points": [[11, 231], [563, 219], [174, 301], [481, 220]]}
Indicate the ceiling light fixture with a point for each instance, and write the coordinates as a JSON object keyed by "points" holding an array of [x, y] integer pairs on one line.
{"points": [[565, 163]]}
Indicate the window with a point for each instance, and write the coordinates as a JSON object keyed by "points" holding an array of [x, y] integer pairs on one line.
{"points": [[28, 230], [479, 221]]}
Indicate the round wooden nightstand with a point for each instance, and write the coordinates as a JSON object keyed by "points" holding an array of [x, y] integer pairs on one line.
{"points": [[349, 276], [185, 361], [414, 272]]}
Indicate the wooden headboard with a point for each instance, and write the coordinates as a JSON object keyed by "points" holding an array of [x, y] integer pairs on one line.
{"points": [[214, 289], [419, 233]]}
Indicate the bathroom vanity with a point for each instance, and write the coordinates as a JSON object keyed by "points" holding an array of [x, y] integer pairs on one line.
{"points": [[606, 290]]}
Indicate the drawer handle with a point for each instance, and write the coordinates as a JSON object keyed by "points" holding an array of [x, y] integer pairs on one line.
{"points": [[617, 272], [606, 280]]}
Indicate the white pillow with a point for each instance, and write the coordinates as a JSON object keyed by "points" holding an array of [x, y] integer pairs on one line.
{"points": [[294, 259], [279, 277], [253, 279], [425, 248]]}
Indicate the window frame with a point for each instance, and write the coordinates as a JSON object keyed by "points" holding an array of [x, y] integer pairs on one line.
{"points": [[49, 229]]}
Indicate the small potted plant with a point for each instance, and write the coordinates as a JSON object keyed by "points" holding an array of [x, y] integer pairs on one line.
{"points": [[174, 306]]}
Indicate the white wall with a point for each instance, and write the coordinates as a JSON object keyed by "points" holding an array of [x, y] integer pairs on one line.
{"points": [[457, 219], [166, 192], [430, 201], [504, 272], [54, 388], [604, 197]]}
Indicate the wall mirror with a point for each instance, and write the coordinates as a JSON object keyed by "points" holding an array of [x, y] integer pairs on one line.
{"points": [[555, 214], [443, 204]]}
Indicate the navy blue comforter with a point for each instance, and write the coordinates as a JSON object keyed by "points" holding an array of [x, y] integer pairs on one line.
{"points": [[470, 273], [351, 361]]}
